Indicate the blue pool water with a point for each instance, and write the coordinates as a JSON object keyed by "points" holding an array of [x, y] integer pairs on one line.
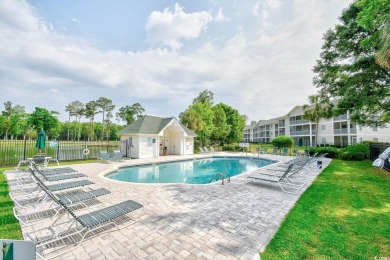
{"points": [[198, 171]]}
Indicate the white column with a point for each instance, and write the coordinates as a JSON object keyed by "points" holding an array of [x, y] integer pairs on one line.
{"points": [[182, 145], [156, 147]]}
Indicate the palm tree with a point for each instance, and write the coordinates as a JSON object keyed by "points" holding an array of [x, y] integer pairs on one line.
{"points": [[383, 56], [106, 106], [319, 107]]}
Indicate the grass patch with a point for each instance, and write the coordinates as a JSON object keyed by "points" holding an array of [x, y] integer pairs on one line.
{"points": [[343, 214], [9, 225]]}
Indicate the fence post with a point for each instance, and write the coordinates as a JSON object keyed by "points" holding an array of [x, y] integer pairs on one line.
{"points": [[85, 147], [58, 150], [24, 149]]}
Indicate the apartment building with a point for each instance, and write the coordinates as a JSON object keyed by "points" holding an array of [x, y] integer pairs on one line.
{"points": [[339, 130], [248, 132]]}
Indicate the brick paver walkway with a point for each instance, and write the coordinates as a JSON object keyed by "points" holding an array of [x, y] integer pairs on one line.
{"points": [[232, 221]]}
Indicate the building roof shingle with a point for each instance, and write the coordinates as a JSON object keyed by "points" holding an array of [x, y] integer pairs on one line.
{"points": [[151, 125]]}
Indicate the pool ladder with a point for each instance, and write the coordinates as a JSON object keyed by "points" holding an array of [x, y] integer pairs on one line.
{"points": [[243, 151], [221, 175]]}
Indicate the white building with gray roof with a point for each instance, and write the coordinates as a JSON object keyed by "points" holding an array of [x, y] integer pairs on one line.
{"points": [[154, 136]]}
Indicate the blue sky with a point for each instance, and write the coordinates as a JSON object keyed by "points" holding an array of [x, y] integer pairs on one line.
{"points": [[256, 56]]}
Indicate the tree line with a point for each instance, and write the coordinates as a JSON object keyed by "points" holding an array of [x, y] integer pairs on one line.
{"points": [[210, 122], [16, 123]]}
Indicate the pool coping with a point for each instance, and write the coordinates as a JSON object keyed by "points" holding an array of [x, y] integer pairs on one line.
{"points": [[103, 174]]}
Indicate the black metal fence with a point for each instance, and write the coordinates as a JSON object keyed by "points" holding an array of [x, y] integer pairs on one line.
{"points": [[13, 151], [376, 149]]}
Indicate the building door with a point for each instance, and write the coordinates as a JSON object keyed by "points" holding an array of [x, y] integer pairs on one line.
{"points": [[176, 146], [129, 146], [167, 144]]}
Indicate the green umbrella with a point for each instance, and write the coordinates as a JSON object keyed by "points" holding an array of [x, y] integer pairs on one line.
{"points": [[41, 140]]}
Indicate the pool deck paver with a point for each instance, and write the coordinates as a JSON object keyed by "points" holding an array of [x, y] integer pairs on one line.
{"points": [[181, 221]]}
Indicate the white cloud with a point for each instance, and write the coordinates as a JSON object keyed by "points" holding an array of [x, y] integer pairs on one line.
{"points": [[273, 4], [220, 17], [26, 20], [170, 27], [75, 20], [256, 8], [250, 71]]}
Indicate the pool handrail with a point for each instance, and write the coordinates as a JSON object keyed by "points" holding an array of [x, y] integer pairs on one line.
{"points": [[219, 174]]}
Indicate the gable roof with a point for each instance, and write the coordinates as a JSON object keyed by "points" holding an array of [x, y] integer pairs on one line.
{"points": [[151, 125], [188, 131]]}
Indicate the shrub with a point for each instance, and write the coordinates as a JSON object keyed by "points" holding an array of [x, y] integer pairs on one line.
{"points": [[355, 152], [230, 148], [282, 141], [359, 148], [358, 156], [331, 151], [345, 155], [351, 156]]}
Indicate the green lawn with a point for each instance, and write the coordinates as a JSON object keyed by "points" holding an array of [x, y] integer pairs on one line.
{"points": [[345, 214], [9, 226]]}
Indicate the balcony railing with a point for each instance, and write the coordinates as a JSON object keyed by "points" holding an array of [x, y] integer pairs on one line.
{"points": [[299, 122], [299, 132], [340, 131], [340, 118], [345, 131]]}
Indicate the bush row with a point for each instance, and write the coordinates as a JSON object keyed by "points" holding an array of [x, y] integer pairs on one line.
{"points": [[230, 148], [355, 152], [331, 151]]}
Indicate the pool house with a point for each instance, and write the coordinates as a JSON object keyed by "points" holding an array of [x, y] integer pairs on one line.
{"points": [[154, 136]]}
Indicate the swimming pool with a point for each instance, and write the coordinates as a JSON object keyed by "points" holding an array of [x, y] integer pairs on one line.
{"points": [[198, 171]]}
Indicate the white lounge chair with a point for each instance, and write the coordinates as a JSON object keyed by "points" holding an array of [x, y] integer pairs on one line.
{"points": [[286, 183]]}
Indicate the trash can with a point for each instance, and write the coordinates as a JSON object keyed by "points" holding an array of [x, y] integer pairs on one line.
{"points": [[319, 164], [165, 150]]}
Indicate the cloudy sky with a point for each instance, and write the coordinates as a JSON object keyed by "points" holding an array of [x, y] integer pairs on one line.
{"points": [[256, 56]]}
